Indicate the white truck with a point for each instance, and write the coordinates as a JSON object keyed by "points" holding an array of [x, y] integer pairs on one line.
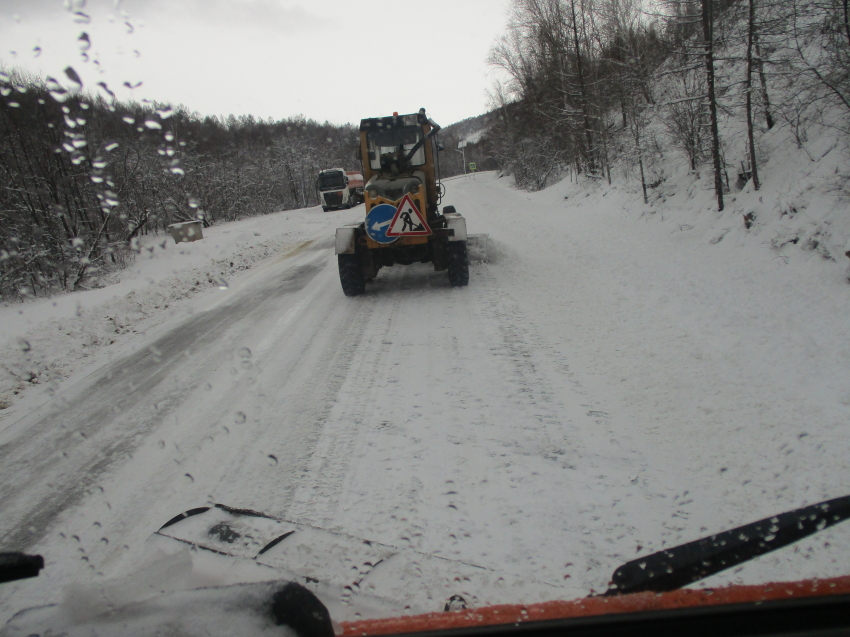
{"points": [[339, 188]]}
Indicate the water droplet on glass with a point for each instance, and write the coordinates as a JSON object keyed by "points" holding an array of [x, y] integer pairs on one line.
{"points": [[111, 146], [239, 417], [132, 86], [177, 170], [272, 459], [193, 202], [165, 113], [36, 51], [169, 136], [104, 541], [153, 125], [128, 119], [244, 352], [161, 444], [84, 42], [71, 74], [221, 283], [188, 477]]}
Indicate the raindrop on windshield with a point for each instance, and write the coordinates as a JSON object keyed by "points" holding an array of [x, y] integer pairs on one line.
{"points": [[240, 417], [72, 75], [153, 125], [188, 477], [193, 202], [272, 459], [84, 42], [221, 283], [165, 113], [244, 352]]}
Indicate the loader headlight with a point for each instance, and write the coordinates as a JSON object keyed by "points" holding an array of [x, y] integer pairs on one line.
{"points": [[414, 188], [373, 192]]}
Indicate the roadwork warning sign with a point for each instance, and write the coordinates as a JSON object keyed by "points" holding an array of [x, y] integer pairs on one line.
{"points": [[408, 221]]}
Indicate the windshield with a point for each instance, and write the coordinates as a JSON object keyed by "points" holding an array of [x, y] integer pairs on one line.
{"points": [[331, 181], [622, 329], [395, 144]]}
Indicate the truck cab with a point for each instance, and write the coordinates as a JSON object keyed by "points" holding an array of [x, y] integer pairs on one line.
{"points": [[339, 189]]}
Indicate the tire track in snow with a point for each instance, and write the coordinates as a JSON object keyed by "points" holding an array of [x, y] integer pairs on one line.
{"points": [[69, 444]]}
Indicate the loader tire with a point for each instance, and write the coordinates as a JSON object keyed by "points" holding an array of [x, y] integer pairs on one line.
{"points": [[351, 275], [324, 208], [457, 263]]}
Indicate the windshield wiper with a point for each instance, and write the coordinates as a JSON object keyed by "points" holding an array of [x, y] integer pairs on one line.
{"points": [[15, 566], [679, 566]]}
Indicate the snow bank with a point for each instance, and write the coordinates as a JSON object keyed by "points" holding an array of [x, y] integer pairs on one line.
{"points": [[43, 341]]}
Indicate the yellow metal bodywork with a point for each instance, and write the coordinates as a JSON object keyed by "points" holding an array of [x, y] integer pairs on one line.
{"points": [[427, 168]]}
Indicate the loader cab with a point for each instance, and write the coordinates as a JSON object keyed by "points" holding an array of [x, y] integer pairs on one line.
{"points": [[385, 143], [387, 149]]}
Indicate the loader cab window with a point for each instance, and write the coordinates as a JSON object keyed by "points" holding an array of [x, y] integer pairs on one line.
{"points": [[331, 181], [392, 145]]}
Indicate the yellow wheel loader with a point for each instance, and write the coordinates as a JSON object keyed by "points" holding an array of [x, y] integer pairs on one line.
{"points": [[403, 222]]}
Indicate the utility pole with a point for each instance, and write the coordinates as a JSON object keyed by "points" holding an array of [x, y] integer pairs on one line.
{"points": [[462, 151]]}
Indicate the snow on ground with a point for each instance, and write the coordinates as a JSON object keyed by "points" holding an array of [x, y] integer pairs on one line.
{"points": [[45, 340], [619, 378]]}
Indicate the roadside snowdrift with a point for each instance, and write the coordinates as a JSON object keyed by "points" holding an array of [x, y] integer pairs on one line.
{"points": [[44, 341]]}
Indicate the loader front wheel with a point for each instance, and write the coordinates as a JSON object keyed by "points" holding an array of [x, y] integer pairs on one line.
{"points": [[457, 263], [351, 275]]}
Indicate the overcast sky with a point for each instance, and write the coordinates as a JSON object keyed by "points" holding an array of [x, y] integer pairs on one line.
{"points": [[336, 60]]}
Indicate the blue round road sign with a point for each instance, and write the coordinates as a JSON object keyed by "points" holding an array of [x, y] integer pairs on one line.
{"points": [[378, 222]]}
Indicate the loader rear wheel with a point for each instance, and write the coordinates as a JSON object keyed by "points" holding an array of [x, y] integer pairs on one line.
{"points": [[351, 275], [457, 263]]}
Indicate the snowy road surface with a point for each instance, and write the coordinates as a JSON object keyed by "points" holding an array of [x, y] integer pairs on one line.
{"points": [[609, 384]]}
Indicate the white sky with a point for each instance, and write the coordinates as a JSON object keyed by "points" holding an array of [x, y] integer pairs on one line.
{"points": [[335, 60]]}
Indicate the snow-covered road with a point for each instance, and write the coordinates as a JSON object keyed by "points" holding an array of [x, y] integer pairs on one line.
{"points": [[609, 383]]}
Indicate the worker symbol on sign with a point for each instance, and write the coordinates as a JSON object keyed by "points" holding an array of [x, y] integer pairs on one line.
{"points": [[408, 221]]}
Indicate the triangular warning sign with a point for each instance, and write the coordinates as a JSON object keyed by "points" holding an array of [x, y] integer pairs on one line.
{"points": [[408, 221]]}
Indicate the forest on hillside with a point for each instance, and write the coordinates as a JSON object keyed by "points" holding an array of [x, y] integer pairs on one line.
{"points": [[597, 86], [84, 176]]}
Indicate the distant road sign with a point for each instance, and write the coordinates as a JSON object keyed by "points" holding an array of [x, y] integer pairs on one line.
{"points": [[472, 165]]}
